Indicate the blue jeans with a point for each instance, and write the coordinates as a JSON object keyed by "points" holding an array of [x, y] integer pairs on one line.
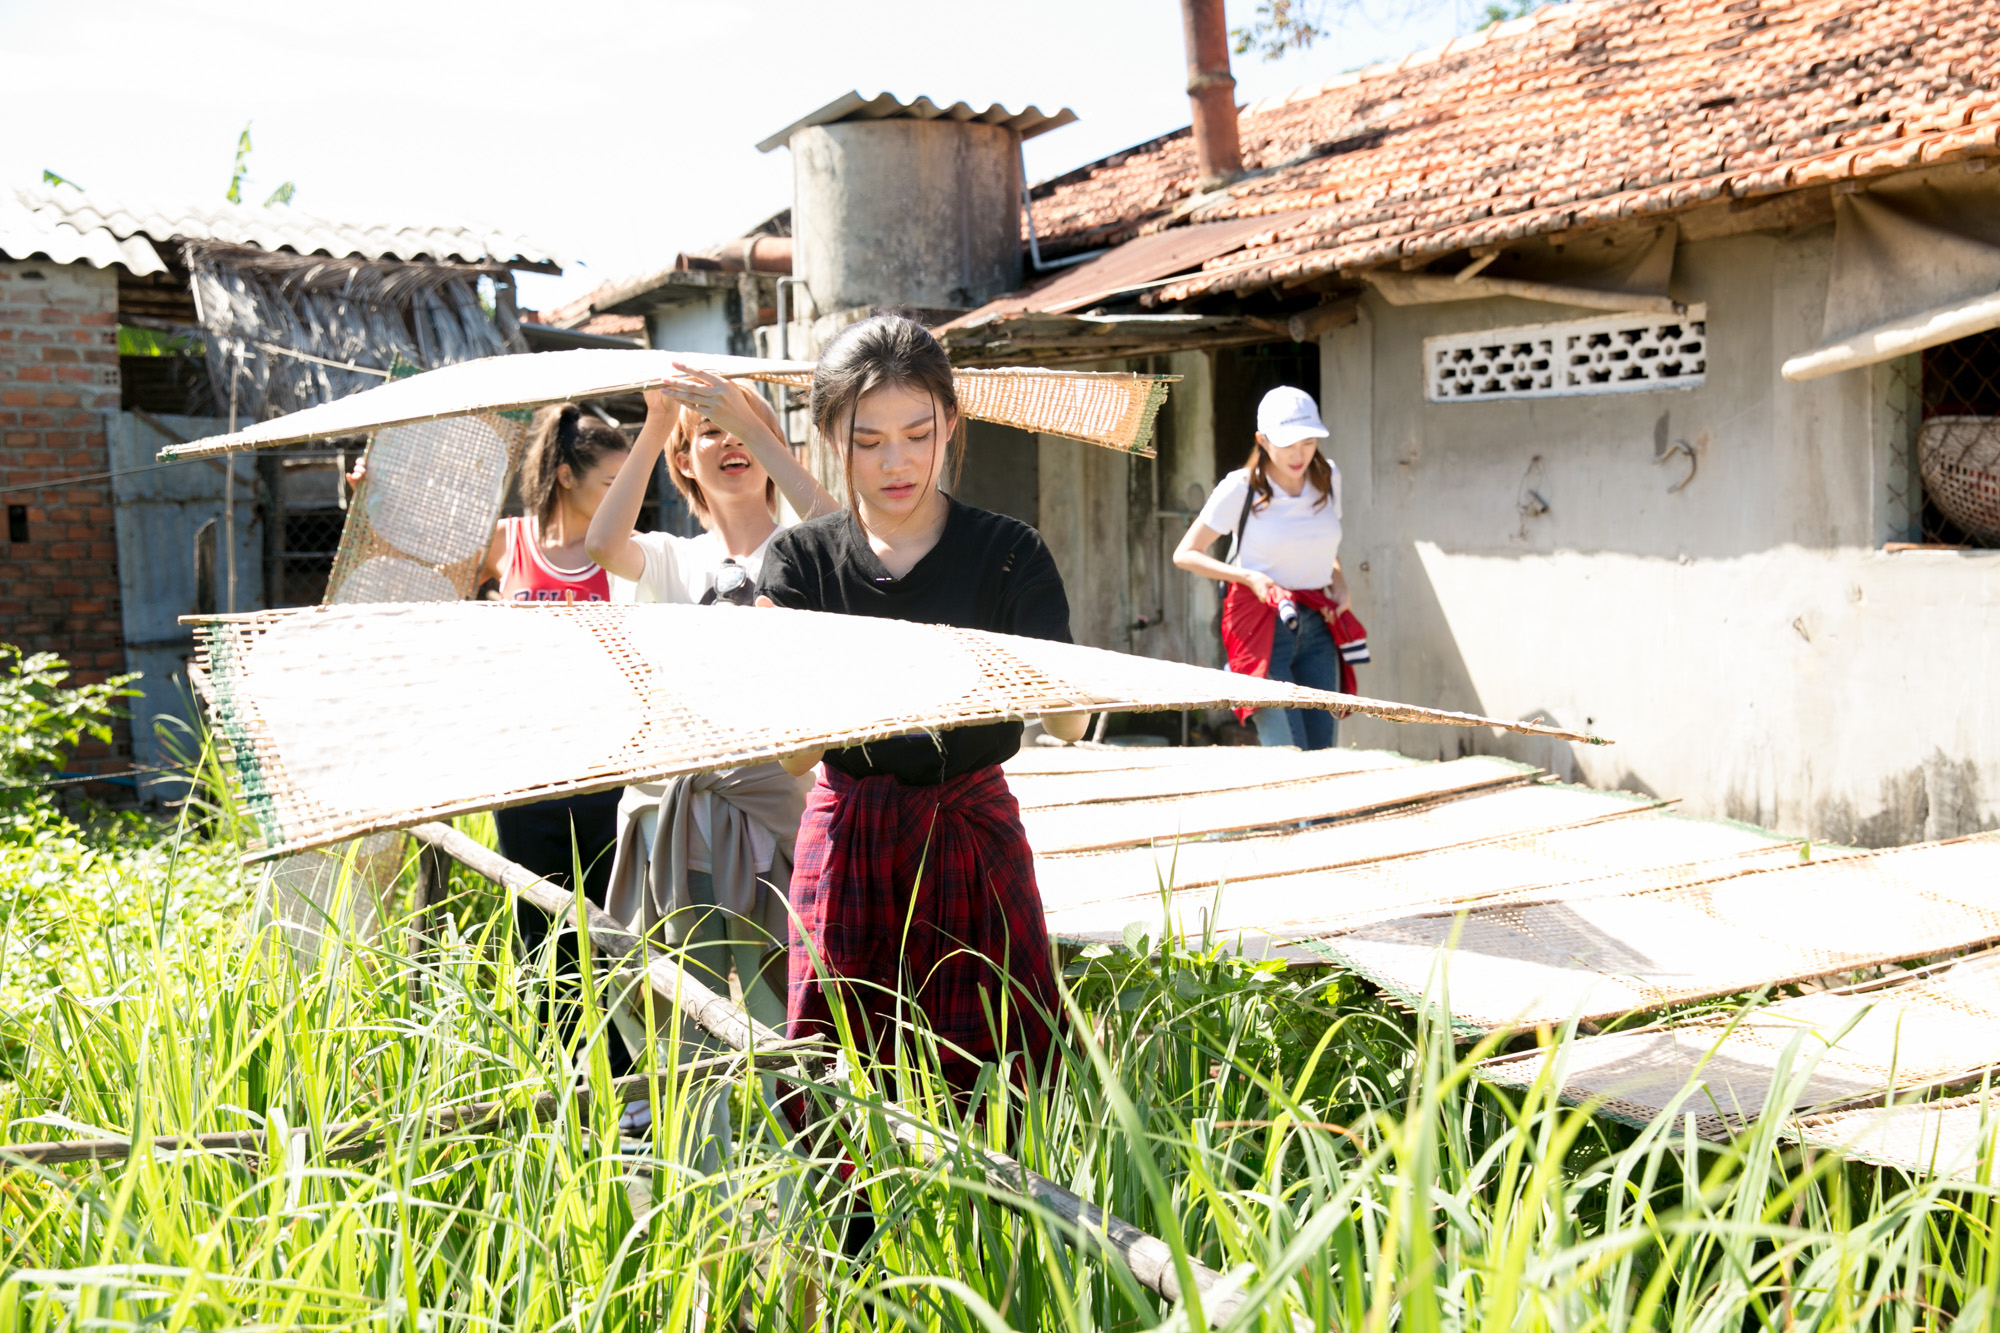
{"points": [[1307, 658]]}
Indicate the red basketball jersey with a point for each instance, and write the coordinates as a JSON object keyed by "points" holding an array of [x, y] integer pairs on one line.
{"points": [[527, 576]]}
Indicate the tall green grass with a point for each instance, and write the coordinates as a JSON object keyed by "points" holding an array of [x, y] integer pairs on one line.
{"points": [[1332, 1155]]}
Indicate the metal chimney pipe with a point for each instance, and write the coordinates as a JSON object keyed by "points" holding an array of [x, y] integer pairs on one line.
{"points": [[1212, 89]]}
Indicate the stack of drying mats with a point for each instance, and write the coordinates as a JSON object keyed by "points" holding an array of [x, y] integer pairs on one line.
{"points": [[1488, 897]]}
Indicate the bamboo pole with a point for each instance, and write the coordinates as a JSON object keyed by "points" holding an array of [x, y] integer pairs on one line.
{"points": [[1150, 1259]]}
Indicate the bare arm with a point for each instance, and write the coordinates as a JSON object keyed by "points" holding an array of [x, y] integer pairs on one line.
{"points": [[743, 413], [612, 529], [1192, 555]]}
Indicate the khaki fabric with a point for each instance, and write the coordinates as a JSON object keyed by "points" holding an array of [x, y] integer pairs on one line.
{"points": [[649, 885]]}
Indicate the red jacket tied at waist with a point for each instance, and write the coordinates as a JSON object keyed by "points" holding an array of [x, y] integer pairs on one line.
{"points": [[927, 895], [1248, 622]]}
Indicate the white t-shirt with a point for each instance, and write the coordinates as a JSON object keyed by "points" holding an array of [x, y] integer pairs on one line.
{"points": [[683, 570], [1294, 538]]}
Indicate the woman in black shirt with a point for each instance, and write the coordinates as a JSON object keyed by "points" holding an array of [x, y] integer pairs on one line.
{"points": [[913, 882]]}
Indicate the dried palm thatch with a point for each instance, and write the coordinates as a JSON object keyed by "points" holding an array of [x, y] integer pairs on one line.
{"points": [[1114, 410], [260, 308], [423, 519], [1816, 1053], [351, 720]]}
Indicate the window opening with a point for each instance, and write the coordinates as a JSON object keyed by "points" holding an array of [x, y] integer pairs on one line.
{"points": [[1958, 442]]}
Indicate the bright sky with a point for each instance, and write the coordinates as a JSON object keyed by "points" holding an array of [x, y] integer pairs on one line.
{"points": [[616, 132]]}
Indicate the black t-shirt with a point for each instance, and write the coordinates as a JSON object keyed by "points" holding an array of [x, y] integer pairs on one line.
{"points": [[987, 572]]}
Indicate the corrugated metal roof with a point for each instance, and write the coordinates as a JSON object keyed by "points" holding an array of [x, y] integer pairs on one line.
{"points": [[1134, 264], [30, 230], [66, 208], [1027, 122]]}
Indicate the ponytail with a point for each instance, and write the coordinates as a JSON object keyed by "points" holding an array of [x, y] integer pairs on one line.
{"points": [[563, 435]]}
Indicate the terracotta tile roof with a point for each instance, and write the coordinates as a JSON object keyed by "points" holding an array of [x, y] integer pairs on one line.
{"points": [[1579, 114], [582, 315]]}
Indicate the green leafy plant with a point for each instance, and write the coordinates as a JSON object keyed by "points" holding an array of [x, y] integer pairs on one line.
{"points": [[42, 719], [1280, 27], [1503, 11], [239, 175]]}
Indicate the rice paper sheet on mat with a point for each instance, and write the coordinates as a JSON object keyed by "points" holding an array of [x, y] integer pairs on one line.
{"points": [[1114, 409], [1814, 1053], [424, 516], [1955, 1137], [354, 719]]}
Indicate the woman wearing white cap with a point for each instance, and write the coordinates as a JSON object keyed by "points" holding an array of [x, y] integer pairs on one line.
{"points": [[1286, 613]]}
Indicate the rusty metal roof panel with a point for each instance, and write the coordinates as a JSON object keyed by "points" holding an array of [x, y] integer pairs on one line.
{"points": [[1134, 265], [285, 228], [31, 229], [1027, 122]]}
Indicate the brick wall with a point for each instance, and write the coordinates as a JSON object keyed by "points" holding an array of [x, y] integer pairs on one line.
{"points": [[58, 378]]}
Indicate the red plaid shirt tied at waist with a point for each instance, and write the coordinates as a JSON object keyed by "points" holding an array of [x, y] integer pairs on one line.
{"points": [[1248, 622], [924, 896]]}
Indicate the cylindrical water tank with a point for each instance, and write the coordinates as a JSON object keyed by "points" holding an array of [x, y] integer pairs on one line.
{"points": [[922, 213]]}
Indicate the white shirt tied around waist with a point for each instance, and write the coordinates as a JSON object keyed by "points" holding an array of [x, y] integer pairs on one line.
{"points": [[682, 570], [1294, 539]]}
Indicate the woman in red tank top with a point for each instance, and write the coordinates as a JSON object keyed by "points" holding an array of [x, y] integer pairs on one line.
{"points": [[540, 556]]}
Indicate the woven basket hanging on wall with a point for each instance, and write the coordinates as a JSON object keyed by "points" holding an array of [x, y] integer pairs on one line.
{"points": [[1960, 461]]}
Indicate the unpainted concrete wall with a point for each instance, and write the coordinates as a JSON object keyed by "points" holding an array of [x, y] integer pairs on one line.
{"points": [[692, 326], [1746, 641]]}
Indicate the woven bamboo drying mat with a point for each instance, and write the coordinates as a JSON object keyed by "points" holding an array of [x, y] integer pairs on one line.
{"points": [[1195, 863], [1087, 758], [333, 893], [1112, 409], [1227, 772], [1435, 859], [1953, 1137], [1523, 964], [424, 516], [1076, 828], [1813, 1053], [356, 719]]}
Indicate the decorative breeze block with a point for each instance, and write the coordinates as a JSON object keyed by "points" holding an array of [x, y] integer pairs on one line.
{"points": [[1612, 354]]}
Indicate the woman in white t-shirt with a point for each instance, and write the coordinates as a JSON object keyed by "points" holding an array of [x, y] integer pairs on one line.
{"points": [[1285, 584], [702, 862]]}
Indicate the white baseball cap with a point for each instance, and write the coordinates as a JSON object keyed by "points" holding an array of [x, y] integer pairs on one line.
{"points": [[1288, 415]]}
